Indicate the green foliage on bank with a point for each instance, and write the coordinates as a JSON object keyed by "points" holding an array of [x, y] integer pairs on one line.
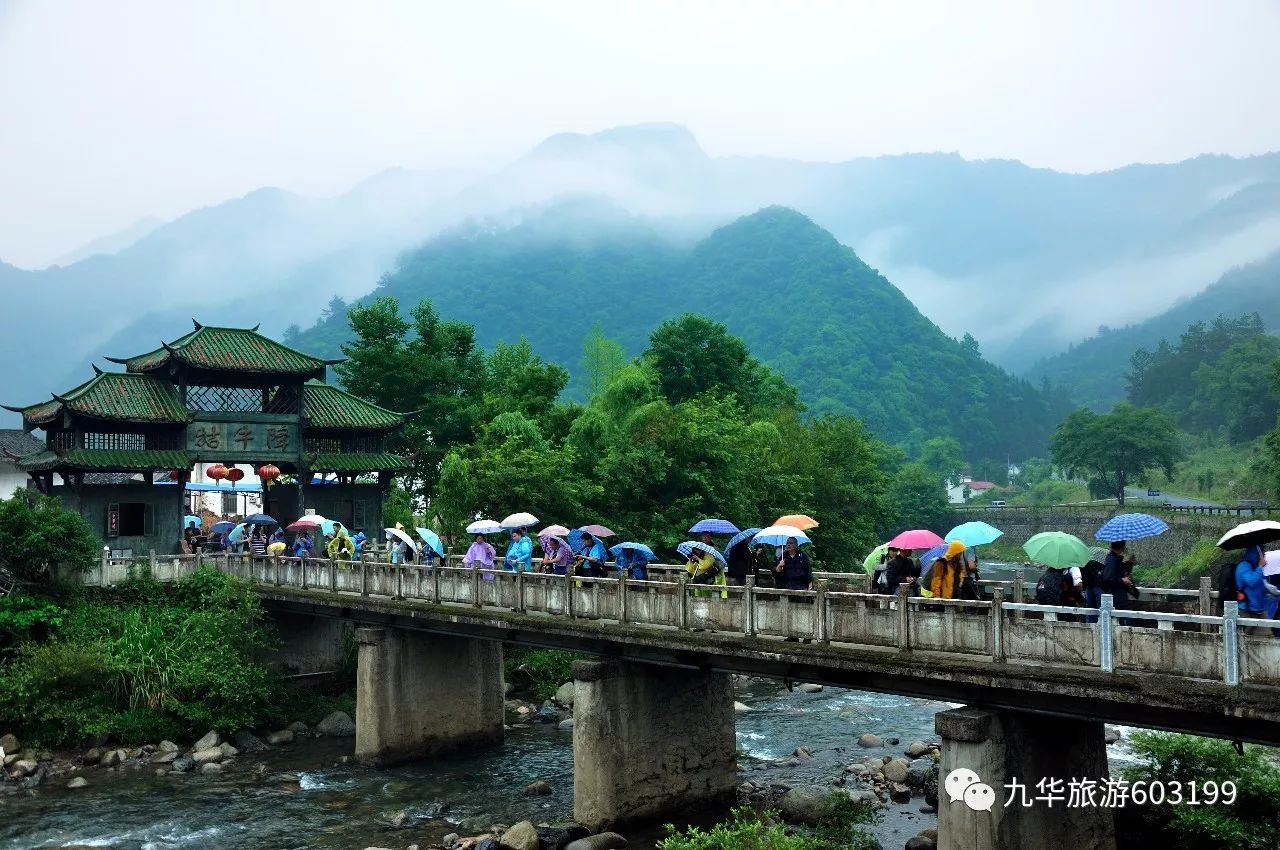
{"points": [[1203, 559], [750, 829], [544, 670], [144, 661], [1250, 823], [36, 535]]}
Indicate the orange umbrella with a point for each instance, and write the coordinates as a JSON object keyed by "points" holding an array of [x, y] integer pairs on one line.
{"points": [[800, 521]]}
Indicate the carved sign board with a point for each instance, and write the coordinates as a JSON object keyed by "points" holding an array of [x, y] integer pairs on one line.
{"points": [[233, 440]]}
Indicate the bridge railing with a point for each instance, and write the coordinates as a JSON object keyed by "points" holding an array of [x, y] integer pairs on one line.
{"points": [[1004, 629]]}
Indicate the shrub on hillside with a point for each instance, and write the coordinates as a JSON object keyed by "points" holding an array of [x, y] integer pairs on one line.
{"points": [[37, 534]]}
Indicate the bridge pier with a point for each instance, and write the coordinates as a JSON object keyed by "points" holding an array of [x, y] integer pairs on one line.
{"points": [[310, 643], [649, 740], [419, 695], [1003, 746]]}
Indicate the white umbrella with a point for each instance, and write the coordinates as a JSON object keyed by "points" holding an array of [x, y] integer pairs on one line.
{"points": [[400, 535], [520, 520], [314, 520], [1257, 532], [484, 526], [1272, 565]]}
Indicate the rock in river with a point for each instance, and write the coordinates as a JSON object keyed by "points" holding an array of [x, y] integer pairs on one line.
{"points": [[896, 770], [804, 804], [521, 836], [537, 789], [870, 741], [284, 736], [564, 695], [169, 747], [603, 841], [210, 740], [558, 836], [249, 742], [337, 725], [78, 782], [210, 767], [917, 748], [9, 743], [810, 688], [213, 754]]}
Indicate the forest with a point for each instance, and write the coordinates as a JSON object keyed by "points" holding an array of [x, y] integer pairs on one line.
{"points": [[693, 426], [805, 305]]}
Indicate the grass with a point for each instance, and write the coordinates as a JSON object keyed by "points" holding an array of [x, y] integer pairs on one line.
{"points": [[1219, 472]]}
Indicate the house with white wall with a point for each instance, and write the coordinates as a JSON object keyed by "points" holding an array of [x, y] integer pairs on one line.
{"points": [[15, 443]]}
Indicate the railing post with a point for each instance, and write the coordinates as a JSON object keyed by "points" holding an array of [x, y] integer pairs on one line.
{"points": [[364, 577], [199, 558], [435, 585], [749, 611], [997, 625], [623, 614], [904, 618], [820, 612], [399, 581], [1231, 643], [104, 567], [333, 576], [568, 590], [682, 611], [1206, 602], [1106, 648], [275, 569], [475, 586], [302, 565], [519, 607], [1019, 591], [151, 563]]}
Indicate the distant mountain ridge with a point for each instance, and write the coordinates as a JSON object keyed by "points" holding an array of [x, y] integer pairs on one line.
{"points": [[1094, 369], [1027, 260], [804, 304]]}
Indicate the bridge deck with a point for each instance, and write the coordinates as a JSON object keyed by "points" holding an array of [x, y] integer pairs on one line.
{"points": [[1195, 673]]}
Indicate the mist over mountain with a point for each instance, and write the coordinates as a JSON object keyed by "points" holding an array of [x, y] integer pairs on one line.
{"points": [[1027, 260], [805, 305], [1095, 368]]}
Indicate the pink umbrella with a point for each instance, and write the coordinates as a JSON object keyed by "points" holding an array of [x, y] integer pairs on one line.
{"points": [[917, 538], [553, 531], [597, 531]]}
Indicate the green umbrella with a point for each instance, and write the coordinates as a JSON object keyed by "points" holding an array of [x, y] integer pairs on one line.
{"points": [[1057, 549], [873, 560]]}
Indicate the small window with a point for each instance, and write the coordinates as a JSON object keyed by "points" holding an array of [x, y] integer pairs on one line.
{"points": [[229, 504], [133, 519]]}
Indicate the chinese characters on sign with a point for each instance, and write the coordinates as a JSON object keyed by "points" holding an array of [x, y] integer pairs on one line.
{"points": [[963, 785], [242, 438]]}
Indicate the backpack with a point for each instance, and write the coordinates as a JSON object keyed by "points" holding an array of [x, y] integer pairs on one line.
{"points": [[1225, 583], [1050, 587], [1091, 574]]}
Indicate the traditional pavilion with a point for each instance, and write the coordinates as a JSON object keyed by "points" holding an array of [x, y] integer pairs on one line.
{"points": [[216, 395]]}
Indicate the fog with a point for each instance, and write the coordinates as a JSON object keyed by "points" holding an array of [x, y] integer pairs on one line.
{"points": [[111, 113]]}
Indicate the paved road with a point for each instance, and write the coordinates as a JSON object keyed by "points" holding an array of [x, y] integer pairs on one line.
{"points": [[1140, 494]]}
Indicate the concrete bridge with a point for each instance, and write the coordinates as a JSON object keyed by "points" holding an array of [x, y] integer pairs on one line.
{"points": [[654, 722]]}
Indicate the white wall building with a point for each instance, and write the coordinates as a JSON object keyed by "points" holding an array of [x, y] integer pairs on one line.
{"points": [[15, 443]]}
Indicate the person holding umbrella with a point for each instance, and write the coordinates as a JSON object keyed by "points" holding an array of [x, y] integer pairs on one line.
{"points": [[794, 567], [739, 557], [519, 557], [481, 553], [948, 572], [1252, 588], [900, 569], [1117, 578], [556, 555], [592, 556]]}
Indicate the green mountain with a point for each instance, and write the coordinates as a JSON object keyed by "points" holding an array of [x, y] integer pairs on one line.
{"points": [[805, 304], [1095, 369]]}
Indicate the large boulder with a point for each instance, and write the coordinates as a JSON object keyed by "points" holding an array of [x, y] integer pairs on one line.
{"points": [[896, 770], [248, 742], [92, 756], [337, 725], [211, 755], [603, 841], [169, 747], [931, 787], [920, 842], [521, 836], [741, 707], [810, 688], [25, 767], [564, 695], [209, 741], [228, 751], [210, 767], [1111, 734], [9, 743], [284, 736], [297, 727], [804, 804], [78, 782], [916, 749], [870, 741], [558, 836], [919, 771], [538, 788], [182, 764], [565, 725]]}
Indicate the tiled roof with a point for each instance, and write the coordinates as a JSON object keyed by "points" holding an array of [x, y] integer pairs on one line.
{"points": [[118, 396], [326, 406], [228, 349], [358, 462], [15, 442], [106, 459]]}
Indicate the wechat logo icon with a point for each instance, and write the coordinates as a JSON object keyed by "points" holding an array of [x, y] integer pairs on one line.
{"points": [[963, 785]]}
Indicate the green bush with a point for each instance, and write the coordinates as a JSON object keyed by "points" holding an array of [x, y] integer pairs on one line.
{"points": [[1201, 560], [37, 533], [1250, 823], [840, 821], [746, 829], [25, 617], [548, 669]]}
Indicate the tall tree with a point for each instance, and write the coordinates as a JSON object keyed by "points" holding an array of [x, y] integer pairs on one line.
{"points": [[428, 365], [1116, 446], [602, 359]]}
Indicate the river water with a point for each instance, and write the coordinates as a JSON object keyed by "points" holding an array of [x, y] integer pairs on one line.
{"points": [[304, 800]]}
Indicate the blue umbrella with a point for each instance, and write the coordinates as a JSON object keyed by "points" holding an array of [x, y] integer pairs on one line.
{"points": [[927, 559], [259, 519], [739, 537], [189, 519], [687, 547], [237, 534], [329, 526], [977, 533], [639, 548], [433, 540], [574, 539], [1131, 527], [714, 526], [223, 527]]}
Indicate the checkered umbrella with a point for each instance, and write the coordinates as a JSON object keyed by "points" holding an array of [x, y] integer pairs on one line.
{"points": [[714, 526], [1131, 527]]}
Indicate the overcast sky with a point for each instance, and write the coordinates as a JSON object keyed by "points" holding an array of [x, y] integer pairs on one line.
{"points": [[112, 111]]}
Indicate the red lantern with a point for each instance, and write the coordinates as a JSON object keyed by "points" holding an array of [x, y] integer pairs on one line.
{"points": [[234, 474], [268, 472], [217, 472], [174, 475]]}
